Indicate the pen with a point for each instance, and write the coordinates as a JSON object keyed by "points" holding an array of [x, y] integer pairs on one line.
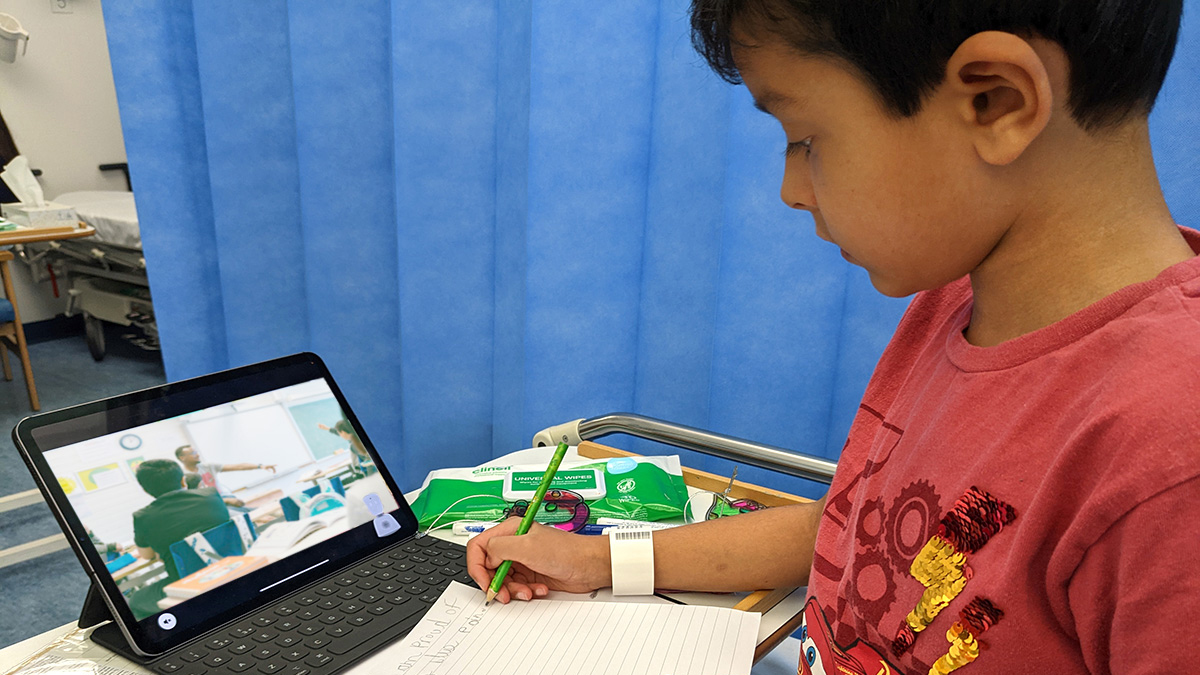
{"points": [[527, 521]]}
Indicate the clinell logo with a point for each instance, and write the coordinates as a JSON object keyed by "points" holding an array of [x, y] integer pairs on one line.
{"points": [[626, 485]]}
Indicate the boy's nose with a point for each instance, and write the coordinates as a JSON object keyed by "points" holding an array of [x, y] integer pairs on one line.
{"points": [[797, 191]]}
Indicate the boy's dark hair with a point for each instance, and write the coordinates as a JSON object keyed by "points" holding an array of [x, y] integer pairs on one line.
{"points": [[160, 476], [180, 450], [1118, 50]]}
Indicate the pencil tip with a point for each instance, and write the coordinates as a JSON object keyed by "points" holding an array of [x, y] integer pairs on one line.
{"points": [[491, 595]]}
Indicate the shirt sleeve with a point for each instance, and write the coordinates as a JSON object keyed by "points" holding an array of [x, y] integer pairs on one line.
{"points": [[1134, 595]]}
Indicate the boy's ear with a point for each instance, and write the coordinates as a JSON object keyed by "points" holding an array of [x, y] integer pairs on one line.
{"points": [[1001, 88]]}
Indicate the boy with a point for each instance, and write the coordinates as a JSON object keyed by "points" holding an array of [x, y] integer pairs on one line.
{"points": [[1022, 470]]}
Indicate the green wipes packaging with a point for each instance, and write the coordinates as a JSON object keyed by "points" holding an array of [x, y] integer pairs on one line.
{"points": [[634, 488]]}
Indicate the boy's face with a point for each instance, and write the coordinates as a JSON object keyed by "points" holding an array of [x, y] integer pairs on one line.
{"points": [[906, 199]]}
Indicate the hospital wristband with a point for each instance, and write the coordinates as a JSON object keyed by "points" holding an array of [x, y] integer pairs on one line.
{"points": [[632, 552]]}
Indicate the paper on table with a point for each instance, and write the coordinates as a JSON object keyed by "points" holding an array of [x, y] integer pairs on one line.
{"points": [[461, 635]]}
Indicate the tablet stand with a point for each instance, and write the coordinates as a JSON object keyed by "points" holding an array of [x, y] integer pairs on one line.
{"points": [[108, 635]]}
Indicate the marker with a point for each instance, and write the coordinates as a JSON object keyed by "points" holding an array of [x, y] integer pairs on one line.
{"points": [[614, 522], [471, 526], [527, 521]]}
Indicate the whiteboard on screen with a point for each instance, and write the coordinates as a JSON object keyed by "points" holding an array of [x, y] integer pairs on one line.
{"points": [[264, 435]]}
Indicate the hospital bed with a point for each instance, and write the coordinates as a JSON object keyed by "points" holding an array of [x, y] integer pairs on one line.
{"points": [[104, 275]]}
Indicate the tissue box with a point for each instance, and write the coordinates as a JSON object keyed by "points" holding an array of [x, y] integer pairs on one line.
{"points": [[50, 214]]}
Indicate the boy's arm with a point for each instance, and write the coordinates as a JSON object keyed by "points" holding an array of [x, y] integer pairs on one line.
{"points": [[765, 549], [1134, 596]]}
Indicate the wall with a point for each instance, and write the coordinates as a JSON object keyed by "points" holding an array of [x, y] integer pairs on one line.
{"points": [[59, 102]]}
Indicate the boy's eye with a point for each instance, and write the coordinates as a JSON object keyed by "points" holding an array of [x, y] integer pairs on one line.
{"points": [[794, 149]]}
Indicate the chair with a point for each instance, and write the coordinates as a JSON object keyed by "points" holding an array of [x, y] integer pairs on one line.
{"points": [[225, 539], [12, 336]]}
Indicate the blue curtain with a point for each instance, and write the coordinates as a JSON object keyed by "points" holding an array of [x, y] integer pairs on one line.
{"points": [[490, 217]]}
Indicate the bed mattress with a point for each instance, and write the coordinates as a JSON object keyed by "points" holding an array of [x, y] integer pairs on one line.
{"points": [[113, 214]]}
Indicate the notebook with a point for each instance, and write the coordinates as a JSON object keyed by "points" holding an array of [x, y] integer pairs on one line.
{"points": [[166, 473]]}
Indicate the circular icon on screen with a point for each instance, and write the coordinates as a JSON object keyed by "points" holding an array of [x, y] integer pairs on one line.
{"points": [[166, 621], [131, 441]]}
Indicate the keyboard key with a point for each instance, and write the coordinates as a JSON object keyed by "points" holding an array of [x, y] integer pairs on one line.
{"points": [[329, 603], [330, 618], [391, 587], [411, 548], [381, 563], [367, 584], [265, 636], [216, 660], [262, 621], [193, 655], [318, 642], [306, 599], [288, 640], [438, 561], [318, 659], [271, 667], [294, 654], [309, 614], [264, 653], [327, 589], [239, 665], [399, 555], [368, 598], [418, 558], [287, 624], [361, 619], [422, 570], [297, 670], [408, 578], [349, 594], [399, 598], [450, 572], [379, 609], [347, 580], [219, 642], [309, 629], [434, 580], [453, 555], [285, 610], [338, 631], [384, 575], [364, 571], [241, 648], [415, 589], [352, 608], [404, 566], [430, 598], [243, 631], [168, 666]]}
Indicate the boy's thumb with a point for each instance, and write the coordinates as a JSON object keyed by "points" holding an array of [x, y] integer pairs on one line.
{"points": [[506, 548]]}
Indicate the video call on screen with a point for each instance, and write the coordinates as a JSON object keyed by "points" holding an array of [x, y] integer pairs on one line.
{"points": [[183, 505]]}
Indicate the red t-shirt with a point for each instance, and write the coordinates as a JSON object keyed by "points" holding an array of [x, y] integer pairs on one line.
{"points": [[1032, 507]]}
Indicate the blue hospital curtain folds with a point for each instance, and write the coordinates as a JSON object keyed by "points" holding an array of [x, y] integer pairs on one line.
{"points": [[491, 217]]}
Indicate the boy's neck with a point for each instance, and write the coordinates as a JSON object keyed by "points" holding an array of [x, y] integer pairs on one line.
{"points": [[1095, 222]]}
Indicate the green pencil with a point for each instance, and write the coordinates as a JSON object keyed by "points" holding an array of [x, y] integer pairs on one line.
{"points": [[527, 521]]}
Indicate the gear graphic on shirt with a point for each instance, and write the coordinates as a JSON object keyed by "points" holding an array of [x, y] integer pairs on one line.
{"points": [[874, 584], [869, 528], [911, 521]]}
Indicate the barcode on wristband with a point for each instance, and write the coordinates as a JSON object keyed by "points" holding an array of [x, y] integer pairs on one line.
{"points": [[630, 535]]}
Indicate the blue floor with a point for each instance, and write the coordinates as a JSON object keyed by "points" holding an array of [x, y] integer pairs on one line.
{"points": [[47, 592]]}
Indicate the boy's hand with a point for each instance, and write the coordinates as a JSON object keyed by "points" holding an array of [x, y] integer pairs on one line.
{"points": [[544, 559]]}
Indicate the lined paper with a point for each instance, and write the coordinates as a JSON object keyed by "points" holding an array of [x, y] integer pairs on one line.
{"points": [[460, 634]]}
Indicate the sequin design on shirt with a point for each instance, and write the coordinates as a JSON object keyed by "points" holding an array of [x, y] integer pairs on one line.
{"points": [[979, 615], [941, 566]]}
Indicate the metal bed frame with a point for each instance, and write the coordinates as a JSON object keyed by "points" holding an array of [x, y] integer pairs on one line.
{"points": [[718, 445]]}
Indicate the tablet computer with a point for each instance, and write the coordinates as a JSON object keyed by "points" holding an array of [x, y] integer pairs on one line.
{"points": [[198, 502]]}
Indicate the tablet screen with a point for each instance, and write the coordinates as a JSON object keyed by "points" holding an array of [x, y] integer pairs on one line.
{"points": [[194, 513]]}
